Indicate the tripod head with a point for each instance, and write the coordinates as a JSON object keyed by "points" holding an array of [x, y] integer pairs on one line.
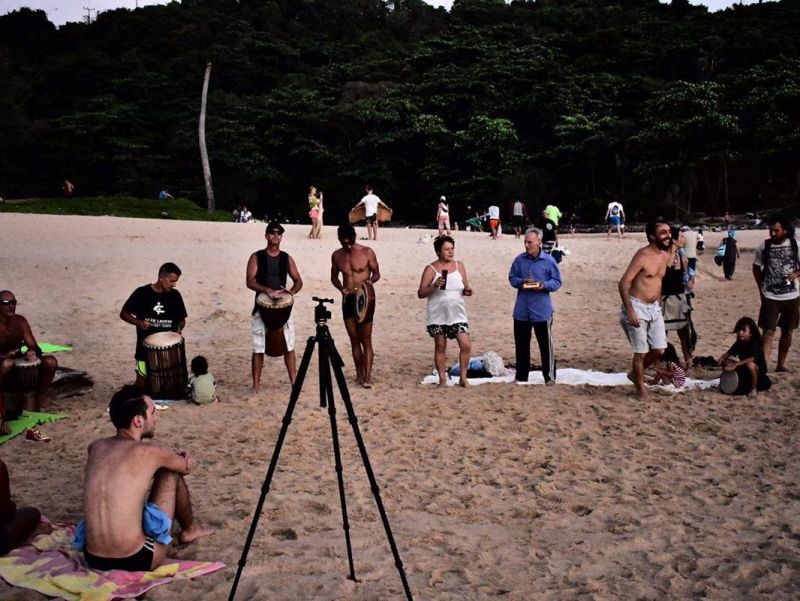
{"points": [[321, 314]]}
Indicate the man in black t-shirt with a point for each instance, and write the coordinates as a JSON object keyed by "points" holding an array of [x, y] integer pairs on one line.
{"points": [[549, 233], [154, 308]]}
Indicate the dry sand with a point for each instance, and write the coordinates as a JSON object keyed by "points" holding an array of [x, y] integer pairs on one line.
{"points": [[498, 491]]}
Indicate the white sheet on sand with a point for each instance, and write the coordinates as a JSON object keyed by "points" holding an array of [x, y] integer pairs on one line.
{"points": [[576, 377]]}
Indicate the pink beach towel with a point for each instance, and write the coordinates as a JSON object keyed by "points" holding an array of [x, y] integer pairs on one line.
{"points": [[51, 566]]}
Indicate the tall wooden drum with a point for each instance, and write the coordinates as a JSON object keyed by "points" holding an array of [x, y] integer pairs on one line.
{"points": [[275, 313], [165, 359]]}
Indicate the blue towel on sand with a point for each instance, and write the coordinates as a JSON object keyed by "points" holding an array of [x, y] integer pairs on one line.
{"points": [[155, 523]]}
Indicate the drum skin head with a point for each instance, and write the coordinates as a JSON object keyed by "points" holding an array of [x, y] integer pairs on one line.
{"points": [[162, 339], [264, 300], [23, 362], [365, 302]]}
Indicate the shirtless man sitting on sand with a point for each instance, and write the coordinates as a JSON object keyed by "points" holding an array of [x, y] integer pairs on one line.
{"points": [[14, 332], [640, 289], [356, 263], [118, 498]]}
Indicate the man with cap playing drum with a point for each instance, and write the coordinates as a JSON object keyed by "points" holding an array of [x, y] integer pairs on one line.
{"points": [[357, 264], [14, 332], [266, 274], [154, 308]]}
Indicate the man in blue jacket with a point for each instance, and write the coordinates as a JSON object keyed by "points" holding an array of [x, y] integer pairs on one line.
{"points": [[535, 275]]}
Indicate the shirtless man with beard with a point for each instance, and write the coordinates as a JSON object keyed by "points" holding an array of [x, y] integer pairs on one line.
{"points": [[640, 290]]}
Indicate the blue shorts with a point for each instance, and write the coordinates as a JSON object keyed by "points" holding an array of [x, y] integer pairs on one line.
{"points": [[614, 219]]}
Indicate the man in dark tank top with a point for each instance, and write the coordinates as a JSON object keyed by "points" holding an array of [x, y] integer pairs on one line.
{"points": [[267, 270]]}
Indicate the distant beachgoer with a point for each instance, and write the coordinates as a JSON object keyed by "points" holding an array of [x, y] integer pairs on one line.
{"points": [[749, 362], [519, 215], [371, 202], [640, 290], [615, 215], [731, 254], [553, 212], [444, 283], [549, 234], [443, 217], [494, 221], [690, 247], [68, 188], [165, 195], [314, 211]]}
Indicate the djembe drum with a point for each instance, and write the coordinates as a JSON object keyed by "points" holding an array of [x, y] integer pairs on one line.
{"points": [[735, 382], [165, 359], [275, 313], [365, 302], [23, 380]]}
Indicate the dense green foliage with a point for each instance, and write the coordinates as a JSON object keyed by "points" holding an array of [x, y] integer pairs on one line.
{"points": [[665, 107], [116, 206]]}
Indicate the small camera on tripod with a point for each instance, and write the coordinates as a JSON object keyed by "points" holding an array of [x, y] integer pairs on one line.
{"points": [[321, 314]]}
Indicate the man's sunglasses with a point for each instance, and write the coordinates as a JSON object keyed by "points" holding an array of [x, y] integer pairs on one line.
{"points": [[8, 302], [275, 233]]}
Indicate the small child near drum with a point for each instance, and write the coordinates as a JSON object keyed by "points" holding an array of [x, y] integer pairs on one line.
{"points": [[671, 372], [202, 385]]}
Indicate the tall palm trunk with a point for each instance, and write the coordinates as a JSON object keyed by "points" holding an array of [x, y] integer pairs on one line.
{"points": [[203, 150]]}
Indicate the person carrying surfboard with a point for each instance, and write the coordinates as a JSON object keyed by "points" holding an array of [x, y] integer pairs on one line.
{"points": [[370, 202]]}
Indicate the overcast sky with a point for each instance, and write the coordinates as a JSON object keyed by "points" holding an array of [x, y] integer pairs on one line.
{"points": [[63, 11]]}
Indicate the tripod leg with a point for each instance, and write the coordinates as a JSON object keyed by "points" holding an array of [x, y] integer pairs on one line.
{"points": [[336, 362], [287, 419], [326, 389]]}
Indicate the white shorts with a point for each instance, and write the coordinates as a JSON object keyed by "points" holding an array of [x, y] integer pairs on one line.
{"points": [[260, 334], [651, 333]]}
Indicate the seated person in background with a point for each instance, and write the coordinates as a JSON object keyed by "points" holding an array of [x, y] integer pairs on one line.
{"points": [[672, 370], [16, 525], [14, 332], [127, 522], [746, 356], [202, 386]]}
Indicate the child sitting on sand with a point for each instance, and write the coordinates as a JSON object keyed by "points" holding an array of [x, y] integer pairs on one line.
{"points": [[202, 386], [672, 371], [746, 356]]}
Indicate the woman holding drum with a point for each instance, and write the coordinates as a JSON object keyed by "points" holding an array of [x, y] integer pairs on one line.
{"points": [[444, 283]]}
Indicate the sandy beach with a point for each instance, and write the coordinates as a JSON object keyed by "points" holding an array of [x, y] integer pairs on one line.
{"points": [[496, 491]]}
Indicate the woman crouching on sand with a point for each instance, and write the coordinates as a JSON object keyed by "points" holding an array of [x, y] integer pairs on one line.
{"points": [[444, 283], [748, 349]]}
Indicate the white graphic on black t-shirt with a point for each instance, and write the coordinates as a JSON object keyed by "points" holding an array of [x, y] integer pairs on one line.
{"points": [[158, 309], [779, 262]]}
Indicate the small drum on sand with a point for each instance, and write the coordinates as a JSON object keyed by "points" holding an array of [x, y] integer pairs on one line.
{"points": [[165, 359], [365, 302], [275, 313], [735, 382]]}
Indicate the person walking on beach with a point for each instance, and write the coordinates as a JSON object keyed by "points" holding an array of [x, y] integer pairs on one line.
{"points": [[640, 291], [535, 275], [351, 266], [615, 215], [776, 269], [371, 202], [132, 492], [443, 217], [267, 270], [519, 214], [731, 254]]}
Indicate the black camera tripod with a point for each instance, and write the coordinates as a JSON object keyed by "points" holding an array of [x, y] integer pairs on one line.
{"points": [[328, 358]]}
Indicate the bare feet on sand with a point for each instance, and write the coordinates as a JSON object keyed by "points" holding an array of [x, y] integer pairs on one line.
{"points": [[783, 369], [753, 394], [193, 533], [462, 381]]}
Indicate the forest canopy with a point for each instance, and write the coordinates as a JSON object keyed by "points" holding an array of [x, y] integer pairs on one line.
{"points": [[665, 107]]}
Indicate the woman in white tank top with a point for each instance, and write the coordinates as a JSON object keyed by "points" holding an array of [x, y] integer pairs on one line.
{"points": [[447, 315]]}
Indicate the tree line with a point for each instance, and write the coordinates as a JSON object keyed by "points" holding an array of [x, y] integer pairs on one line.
{"points": [[667, 108]]}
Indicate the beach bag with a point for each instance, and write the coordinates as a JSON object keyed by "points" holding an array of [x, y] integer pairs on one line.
{"points": [[490, 364], [720, 253]]}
